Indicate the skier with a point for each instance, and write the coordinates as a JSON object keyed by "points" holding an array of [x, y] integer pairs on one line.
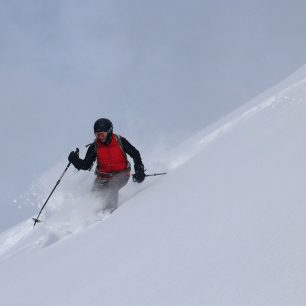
{"points": [[113, 168]]}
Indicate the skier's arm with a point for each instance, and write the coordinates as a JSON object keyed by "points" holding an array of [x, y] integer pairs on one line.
{"points": [[139, 175], [86, 163], [131, 151]]}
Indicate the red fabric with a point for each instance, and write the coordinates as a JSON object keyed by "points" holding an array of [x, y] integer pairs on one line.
{"points": [[110, 157]]}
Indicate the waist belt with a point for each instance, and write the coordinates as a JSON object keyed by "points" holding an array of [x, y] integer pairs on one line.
{"points": [[104, 175], [109, 175]]}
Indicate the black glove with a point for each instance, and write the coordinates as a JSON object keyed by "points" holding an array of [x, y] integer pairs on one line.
{"points": [[73, 157], [139, 175]]}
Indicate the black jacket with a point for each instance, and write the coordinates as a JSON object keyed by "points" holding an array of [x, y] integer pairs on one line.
{"points": [[91, 156]]}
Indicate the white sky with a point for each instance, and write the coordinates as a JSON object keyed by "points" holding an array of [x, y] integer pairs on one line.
{"points": [[160, 70]]}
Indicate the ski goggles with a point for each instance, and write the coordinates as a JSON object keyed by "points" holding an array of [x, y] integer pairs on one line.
{"points": [[103, 133]]}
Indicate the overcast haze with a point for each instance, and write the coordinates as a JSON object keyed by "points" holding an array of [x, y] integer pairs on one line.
{"points": [[154, 68]]}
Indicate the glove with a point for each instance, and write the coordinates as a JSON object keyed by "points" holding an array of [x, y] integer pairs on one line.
{"points": [[73, 157], [139, 175]]}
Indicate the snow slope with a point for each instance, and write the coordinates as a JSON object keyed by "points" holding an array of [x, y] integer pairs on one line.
{"points": [[225, 227]]}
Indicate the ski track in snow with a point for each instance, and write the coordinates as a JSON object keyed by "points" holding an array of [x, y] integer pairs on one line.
{"points": [[289, 95], [24, 238], [11, 237]]}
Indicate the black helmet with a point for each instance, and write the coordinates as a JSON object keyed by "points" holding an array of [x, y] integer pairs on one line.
{"points": [[104, 125]]}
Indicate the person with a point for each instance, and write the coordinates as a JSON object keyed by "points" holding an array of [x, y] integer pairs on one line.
{"points": [[113, 168]]}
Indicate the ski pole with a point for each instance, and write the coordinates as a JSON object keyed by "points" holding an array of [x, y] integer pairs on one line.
{"points": [[36, 220], [153, 174]]}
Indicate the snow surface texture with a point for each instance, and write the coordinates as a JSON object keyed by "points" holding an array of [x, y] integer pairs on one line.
{"points": [[225, 227]]}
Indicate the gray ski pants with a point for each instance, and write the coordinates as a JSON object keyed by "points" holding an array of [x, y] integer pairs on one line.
{"points": [[109, 189]]}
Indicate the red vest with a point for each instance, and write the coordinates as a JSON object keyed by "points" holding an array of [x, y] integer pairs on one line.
{"points": [[110, 157]]}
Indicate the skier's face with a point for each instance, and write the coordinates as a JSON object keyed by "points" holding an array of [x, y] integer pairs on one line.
{"points": [[102, 136]]}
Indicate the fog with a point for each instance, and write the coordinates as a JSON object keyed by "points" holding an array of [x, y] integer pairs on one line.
{"points": [[160, 70]]}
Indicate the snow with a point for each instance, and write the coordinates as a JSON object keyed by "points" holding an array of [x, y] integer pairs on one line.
{"points": [[225, 226]]}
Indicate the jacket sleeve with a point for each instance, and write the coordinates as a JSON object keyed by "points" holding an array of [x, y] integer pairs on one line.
{"points": [[87, 162], [131, 151]]}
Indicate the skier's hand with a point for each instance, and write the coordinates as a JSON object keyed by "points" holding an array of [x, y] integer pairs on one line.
{"points": [[139, 175], [73, 156]]}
